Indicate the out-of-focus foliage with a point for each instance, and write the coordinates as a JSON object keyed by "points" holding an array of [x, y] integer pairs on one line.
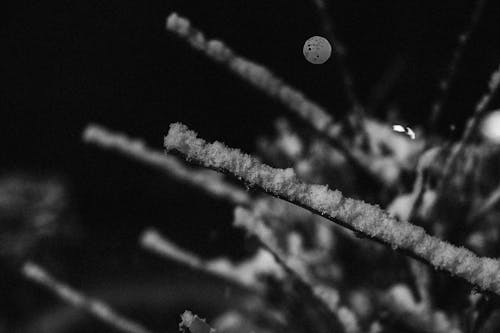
{"points": [[31, 210]]}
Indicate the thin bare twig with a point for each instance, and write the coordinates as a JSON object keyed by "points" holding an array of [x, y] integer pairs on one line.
{"points": [[488, 204], [383, 87], [340, 54], [452, 70], [481, 107]]}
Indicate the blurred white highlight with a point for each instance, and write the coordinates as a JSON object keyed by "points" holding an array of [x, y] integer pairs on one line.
{"points": [[490, 127]]}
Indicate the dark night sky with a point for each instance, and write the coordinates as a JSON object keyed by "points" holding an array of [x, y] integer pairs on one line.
{"points": [[68, 63]]}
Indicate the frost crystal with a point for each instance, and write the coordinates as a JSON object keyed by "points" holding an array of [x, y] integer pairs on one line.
{"points": [[194, 323]]}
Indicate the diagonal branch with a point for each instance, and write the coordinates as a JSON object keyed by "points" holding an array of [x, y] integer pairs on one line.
{"points": [[340, 52], [212, 183], [235, 275], [452, 70], [254, 226], [262, 78], [486, 207], [368, 220], [255, 74], [481, 107], [94, 307]]}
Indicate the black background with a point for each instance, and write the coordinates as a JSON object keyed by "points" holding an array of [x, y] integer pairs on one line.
{"points": [[70, 63]]}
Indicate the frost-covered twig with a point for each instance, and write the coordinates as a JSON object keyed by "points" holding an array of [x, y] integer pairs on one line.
{"points": [[243, 275], [257, 75], [262, 78], [151, 240], [211, 182], [95, 307], [369, 220], [452, 70]]}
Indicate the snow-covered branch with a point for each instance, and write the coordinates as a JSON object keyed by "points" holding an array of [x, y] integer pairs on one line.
{"points": [[96, 308], [243, 275], [266, 81], [356, 215], [255, 74], [209, 181]]}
